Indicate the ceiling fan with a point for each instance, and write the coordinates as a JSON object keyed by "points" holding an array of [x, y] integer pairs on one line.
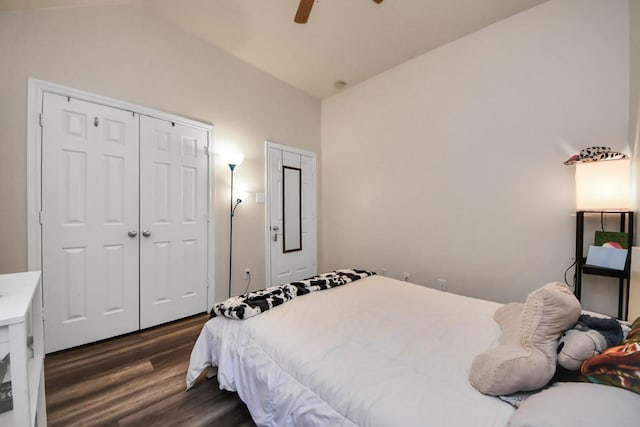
{"points": [[304, 9]]}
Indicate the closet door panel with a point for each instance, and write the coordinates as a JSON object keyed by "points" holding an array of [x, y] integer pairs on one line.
{"points": [[173, 219], [89, 204]]}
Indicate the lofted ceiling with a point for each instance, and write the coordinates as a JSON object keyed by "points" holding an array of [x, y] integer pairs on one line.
{"points": [[344, 40]]}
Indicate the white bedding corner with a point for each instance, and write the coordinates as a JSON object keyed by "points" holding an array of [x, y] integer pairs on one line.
{"points": [[200, 357]]}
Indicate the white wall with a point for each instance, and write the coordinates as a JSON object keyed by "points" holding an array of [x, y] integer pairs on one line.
{"points": [[634, 96], [123, 53], [634, 133], [450, 165]]}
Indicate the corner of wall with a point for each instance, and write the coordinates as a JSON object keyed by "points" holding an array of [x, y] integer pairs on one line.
{"points": [[634, 99]]}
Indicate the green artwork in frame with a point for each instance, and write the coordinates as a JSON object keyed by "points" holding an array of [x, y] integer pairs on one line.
{"points": [[614, 238]]}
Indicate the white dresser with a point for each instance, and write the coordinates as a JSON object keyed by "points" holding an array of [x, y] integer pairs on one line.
{"points": [[21, 319]]}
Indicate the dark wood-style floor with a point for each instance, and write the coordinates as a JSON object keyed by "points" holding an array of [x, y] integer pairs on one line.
{"points": [[137, 380]]}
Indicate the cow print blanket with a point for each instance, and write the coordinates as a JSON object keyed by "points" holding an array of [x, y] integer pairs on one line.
{"points": [[253, 303]]}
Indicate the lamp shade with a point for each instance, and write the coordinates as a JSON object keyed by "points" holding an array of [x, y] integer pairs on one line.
{"points": [[240, 195], [603, 185], [233, 158]]}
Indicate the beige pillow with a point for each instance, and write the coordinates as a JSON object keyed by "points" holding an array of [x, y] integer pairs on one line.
{"points": [[508, 317], [526, 357]]}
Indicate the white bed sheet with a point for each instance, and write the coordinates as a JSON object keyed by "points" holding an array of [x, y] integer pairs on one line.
{"points": [[376, 352]]}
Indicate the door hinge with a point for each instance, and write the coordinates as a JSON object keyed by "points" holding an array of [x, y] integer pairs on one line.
{"points": [[40, 215], [41, 119]]}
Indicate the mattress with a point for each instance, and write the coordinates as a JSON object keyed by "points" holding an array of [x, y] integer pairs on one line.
{"points": [[375, 352]]}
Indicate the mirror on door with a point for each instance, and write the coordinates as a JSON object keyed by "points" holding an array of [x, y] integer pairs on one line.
{"points": [[291, 209]]}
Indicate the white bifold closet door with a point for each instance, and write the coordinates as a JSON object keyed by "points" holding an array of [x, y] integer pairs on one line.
{"points": [[173, 221], [124, 221], [89, 207]]}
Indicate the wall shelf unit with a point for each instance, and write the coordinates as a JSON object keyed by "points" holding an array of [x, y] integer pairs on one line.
{"points": [[623, 276], [21, 335]]}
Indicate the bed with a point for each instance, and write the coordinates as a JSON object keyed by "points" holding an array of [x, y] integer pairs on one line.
{"points": [[375, 352]]}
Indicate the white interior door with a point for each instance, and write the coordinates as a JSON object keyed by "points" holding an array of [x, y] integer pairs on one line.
{"points": [[89, 221], [286, 265], [173, 221]]}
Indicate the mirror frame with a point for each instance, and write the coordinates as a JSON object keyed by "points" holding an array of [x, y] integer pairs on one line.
{"points": [[285, 249]]}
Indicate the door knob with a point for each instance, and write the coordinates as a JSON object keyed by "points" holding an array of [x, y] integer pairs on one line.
{"points": [[275, 235], [146, 233], [132, 233]]}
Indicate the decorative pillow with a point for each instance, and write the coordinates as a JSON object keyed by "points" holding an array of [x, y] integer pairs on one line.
{"points": [[578, 405], [526, 360], [618, 366]]}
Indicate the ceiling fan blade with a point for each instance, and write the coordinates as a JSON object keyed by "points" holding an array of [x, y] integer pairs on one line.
{"points": [[304, 9], [378, 1]]}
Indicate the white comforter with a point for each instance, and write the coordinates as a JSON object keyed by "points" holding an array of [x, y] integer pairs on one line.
{"points": [[376, 352]]}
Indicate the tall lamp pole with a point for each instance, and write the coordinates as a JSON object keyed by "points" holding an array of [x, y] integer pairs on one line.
{"points": [[233, 160]]}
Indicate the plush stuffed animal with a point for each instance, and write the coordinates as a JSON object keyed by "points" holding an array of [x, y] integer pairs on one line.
{"points": [[526, 358], [589, 337]]}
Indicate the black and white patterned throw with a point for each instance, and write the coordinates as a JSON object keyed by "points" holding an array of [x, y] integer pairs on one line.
{"points": [[253, 303]]}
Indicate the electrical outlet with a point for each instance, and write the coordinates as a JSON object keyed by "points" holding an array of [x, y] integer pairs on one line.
{"points": [[247, 273], [406, 276], [442, 284]]}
